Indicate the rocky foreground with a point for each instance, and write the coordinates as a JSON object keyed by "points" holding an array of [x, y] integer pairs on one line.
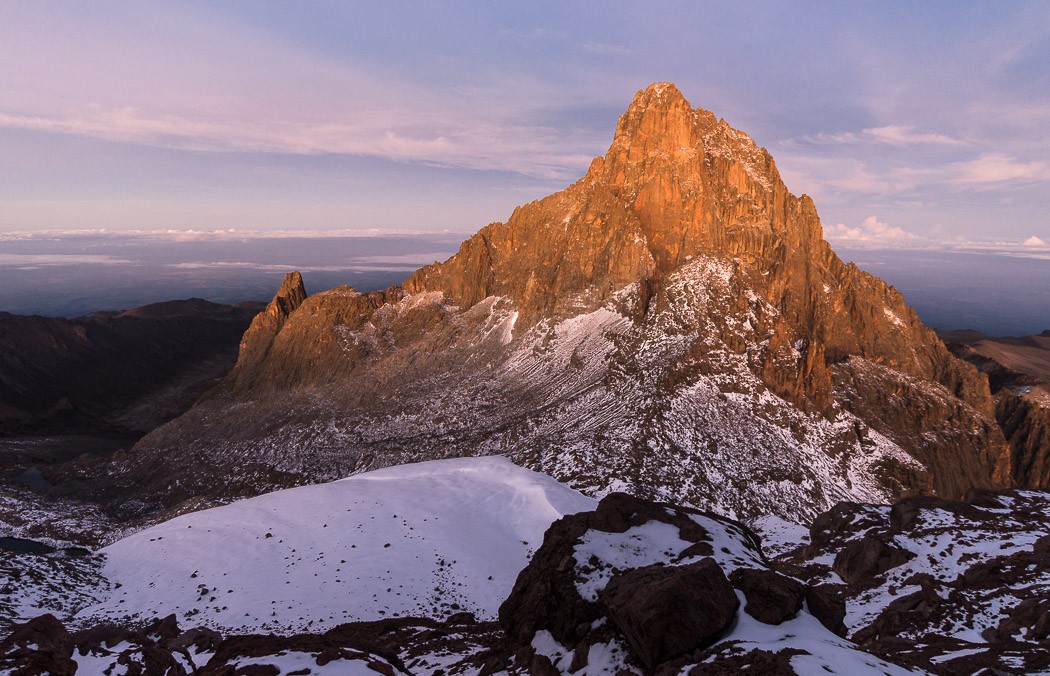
{"points": [[640, 587]]}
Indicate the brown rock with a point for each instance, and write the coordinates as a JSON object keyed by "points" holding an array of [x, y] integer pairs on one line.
{"points": [[867, 557], [669, 611], [40, 646], [771, 597], [828, 605]]}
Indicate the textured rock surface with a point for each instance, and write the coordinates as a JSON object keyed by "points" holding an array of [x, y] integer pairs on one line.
{"points": [[652, 588], [1018, 370], [956, 584], [666, 612], [672, 324], [771, 597]]}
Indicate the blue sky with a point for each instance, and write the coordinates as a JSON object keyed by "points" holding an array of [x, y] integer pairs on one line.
{"points": [[909, 123]]}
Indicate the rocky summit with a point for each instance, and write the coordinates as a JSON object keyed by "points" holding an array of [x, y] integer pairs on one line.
{"points": [[672, 325]]}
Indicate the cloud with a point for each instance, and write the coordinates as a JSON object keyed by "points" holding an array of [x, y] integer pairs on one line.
{"points": [[871, 231], [536, 151], [36, 260], [890, 135], [230, 234], [995, 169], [1034, 241], [607, 49]]}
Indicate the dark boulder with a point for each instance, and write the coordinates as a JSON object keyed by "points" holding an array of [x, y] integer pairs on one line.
{"points": [[771, 597], [1030, 619], [40, 646], [670, 611], [862, 559], [545, 596], [826, 603]]}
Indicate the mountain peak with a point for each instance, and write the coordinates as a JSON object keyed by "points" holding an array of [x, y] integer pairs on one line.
{"points": [[659, 93], [659, 120]]}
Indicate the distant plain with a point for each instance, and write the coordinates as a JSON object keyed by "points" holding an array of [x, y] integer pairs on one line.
{"points": [[993, 292]]}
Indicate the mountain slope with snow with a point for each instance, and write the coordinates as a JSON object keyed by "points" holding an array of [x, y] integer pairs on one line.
{"points": [[428, 539], [673, 325]]}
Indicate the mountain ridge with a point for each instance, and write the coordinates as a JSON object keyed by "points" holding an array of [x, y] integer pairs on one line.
{"points": [[674, 309]]}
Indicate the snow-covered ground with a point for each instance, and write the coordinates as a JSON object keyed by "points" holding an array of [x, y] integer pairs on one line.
{"points": [[427, 539]]}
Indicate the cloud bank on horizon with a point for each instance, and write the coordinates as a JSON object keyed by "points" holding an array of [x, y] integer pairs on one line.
{"points": [[907, 124]]}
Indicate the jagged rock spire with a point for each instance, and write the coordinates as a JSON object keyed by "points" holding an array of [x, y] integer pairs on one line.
{"points": [[258, 339]]}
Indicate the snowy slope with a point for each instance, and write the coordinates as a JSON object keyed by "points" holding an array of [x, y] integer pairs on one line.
{"points": [[428, 539]]}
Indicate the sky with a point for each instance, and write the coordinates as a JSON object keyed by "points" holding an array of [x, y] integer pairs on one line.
{"points": [[910, 124]]}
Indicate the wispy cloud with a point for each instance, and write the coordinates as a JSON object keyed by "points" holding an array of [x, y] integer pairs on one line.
{"points": [[537, 151], [996, 169], [870, 231], [890, 135], [607, 49], [37, 260], [230, 234]]}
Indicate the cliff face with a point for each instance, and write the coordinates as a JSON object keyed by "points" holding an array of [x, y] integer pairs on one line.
{"points": [[1018, 370], [673, 322]]}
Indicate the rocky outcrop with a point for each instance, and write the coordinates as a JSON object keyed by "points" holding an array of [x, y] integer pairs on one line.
{"points": [[666, 612], [1026, 424], [265, 327], [958, 584], [772, 598], [1018, 371], [657, 588], [40, 646], [45, 646], [672, 323]]}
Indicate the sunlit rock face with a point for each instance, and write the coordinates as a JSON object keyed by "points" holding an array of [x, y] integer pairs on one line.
{"points": [[672, 325]]}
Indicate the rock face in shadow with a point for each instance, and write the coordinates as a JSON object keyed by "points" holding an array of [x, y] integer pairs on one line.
{"points": [[673, 323], [40, 646], [771, 597], [1026, 424], [1018, 370], [657, 588], [666, 612], [106, 372]]}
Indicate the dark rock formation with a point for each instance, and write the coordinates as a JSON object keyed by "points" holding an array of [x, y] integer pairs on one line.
{"points": [[40, 646], [771, 597], [1018, 371], [666, 612], [828, 605], [957, 584], [862, 559], [44, 646], [1026, 424], [546, 596]]}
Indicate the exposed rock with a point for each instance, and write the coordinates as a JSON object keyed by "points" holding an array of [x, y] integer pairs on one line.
{"points": [[863, 559], [828, 605], [771, 597], [1018, 370], [670, 611], [40, 646], [258, 339], [958, 584], [1026, 425], [546, 595]]}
